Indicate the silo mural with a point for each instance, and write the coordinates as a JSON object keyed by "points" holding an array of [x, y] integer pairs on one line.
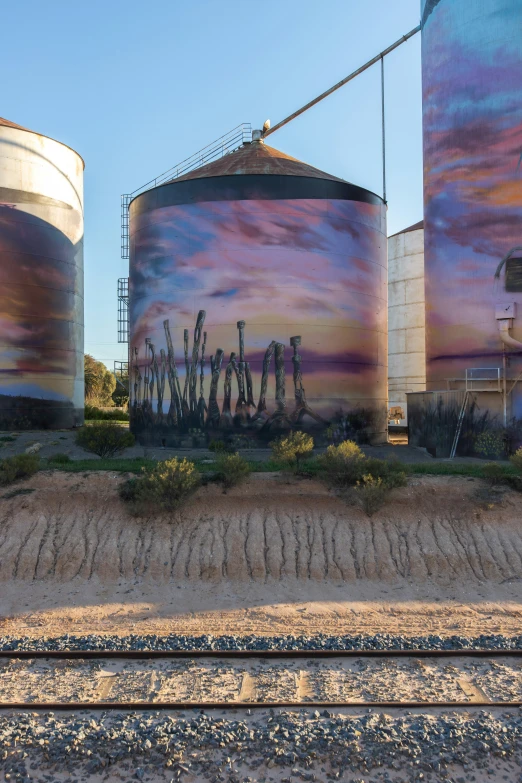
{"points": [[41, 276], [472, 115], [257, 302]]}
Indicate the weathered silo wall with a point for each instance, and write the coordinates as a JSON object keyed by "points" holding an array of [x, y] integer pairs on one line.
{"points": [[41, 281], [278, 271], [472, 123], [406, 320]]}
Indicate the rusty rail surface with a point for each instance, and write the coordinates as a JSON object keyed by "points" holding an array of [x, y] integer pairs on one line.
{"points": [[148, 654]]}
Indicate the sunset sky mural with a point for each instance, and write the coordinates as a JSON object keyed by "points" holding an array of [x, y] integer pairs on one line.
{"points": [[315, 268], [472, 109], [41, 306]]}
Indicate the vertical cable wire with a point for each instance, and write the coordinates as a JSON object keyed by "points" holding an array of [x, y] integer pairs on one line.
{"points": [[383, 133]]}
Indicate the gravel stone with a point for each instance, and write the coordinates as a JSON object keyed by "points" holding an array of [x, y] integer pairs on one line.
{"points": [[226, 748], [261, 643]]}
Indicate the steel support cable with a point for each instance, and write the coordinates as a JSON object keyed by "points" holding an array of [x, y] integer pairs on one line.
{"points": [[344, 81]]}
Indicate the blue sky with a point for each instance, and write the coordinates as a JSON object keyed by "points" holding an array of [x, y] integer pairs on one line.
{"points": [[136, 87]]}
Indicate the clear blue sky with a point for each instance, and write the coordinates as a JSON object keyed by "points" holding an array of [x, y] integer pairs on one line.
{"points": [[135, 87]]}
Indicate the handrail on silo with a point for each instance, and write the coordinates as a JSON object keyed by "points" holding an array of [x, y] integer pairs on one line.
{"points": [[228, 142]]}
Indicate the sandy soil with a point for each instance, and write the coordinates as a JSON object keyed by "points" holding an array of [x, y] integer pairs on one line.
{"points": [[271, 557]]}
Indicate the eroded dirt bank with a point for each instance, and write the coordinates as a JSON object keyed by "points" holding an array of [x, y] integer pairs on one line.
{"points": [[269, 557]]}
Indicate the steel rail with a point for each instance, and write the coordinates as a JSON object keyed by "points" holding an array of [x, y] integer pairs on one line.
{"points": [[344, 81], [238, 654], [248, 705]]}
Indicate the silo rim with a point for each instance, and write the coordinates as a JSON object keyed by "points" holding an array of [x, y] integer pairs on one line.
{"points": [[8, 124], [172, 183]]}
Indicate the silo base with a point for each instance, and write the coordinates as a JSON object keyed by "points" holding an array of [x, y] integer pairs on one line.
{"points": [[26, 413]]}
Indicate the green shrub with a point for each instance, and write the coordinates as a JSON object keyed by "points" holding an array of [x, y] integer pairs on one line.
{"points": [[20, 466], [105, 439], [231, 469], [515, 482], [92, 413], [342, 465], [291, 449], [219, 447], [490, 443], [59, 459], [372, 493], [166, 487], [494, 473], [516, 459], [346, 466], [390, 471]]}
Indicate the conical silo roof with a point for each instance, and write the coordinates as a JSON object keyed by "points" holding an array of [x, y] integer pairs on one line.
{"points": [[9, 124], [256, 158]]}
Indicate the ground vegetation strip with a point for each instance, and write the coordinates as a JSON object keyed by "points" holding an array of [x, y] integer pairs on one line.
{"points": [[265, 529]]}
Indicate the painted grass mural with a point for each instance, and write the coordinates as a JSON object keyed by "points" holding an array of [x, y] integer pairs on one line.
{"points": [[472, 107], [256, 316]]}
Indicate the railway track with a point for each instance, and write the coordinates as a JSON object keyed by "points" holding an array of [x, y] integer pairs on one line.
{"points": [[252, 679]]}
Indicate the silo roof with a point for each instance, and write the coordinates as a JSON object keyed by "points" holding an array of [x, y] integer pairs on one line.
{"points": [[256, 158], [8, 124], [416, 227]]}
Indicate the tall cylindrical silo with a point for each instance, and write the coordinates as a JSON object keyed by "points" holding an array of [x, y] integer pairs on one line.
{"points": [[41, 276], [472, 126], [257, 302], [406, 320]]}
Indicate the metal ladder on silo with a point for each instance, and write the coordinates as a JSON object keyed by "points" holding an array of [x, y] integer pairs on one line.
{"points": [[460, 421]]}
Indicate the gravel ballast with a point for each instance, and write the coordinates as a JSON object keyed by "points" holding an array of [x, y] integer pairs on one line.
{"points": [[304, 745], [261, 643]]}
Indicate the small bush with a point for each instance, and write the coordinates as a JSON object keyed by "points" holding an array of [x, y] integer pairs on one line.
{"points": [[59, 459], [345, 466], [372, 493], [491, 444], [92, 413], [21, 466], [166, 487], [105, 439], [516, 459], [494, 473], [293, 448], [231, 470], [219, 447], [342, 465], [515, 482], [391, 472]]}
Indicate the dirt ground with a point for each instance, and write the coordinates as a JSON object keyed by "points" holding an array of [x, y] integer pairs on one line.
{"points": [[444, 556]]}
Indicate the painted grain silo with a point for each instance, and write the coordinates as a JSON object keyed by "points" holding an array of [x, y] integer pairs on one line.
{"points": [[257, 303], [472, 126], [41, 276], [406, 320]]}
